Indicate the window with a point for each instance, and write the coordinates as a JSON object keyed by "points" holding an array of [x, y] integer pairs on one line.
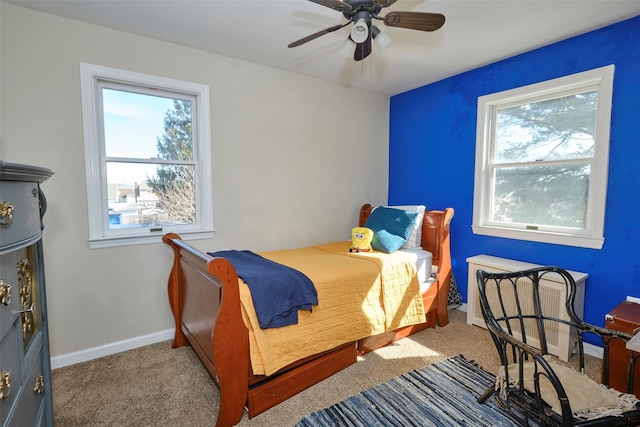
{"points": [[147, 155], [542, 155]]}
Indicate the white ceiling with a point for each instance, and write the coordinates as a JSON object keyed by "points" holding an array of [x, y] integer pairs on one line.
{"points": [[476, 32]]}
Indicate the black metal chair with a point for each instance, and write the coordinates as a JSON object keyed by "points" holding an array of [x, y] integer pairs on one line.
{"points": [[531, 383]]}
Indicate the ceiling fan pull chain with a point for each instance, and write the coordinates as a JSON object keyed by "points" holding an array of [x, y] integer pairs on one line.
{"points": [[371, 65]]}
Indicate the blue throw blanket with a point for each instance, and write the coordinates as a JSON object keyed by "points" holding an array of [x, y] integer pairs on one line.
{"points": [[277, 291]]}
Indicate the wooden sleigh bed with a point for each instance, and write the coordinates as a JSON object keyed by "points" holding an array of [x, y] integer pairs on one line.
{"points": [[205, 297]]}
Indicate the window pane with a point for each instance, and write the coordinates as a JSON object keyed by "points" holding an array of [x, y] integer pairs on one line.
{"points": [[137, 125], [150, 195], [559, 128], [542, 195]]}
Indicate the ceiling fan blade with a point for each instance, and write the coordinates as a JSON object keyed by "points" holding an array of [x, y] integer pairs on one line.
{"points": [[334, 4], [384, 3], [316, 35], [415, 20], [363, 49]]}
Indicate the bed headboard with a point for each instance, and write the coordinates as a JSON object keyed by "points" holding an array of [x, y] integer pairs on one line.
{"points": [[435, 232]]}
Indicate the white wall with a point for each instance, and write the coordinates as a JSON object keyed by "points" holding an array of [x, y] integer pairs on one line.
{"points": [[293, 160]]}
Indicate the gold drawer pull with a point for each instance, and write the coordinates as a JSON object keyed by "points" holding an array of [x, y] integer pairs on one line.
{"points": [[5, 292], [5, 384], [6, 212], [28, 310], [27, 321], [38, 387]]}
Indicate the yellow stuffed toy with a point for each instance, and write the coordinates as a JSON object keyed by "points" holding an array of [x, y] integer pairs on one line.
{"points": [[361, 239]]}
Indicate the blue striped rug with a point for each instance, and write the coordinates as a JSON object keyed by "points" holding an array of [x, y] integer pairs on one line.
{"points": [[441, 394]]}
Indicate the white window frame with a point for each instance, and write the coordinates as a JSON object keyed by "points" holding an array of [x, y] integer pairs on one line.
{"points": [[100, 236], [592, 236]]}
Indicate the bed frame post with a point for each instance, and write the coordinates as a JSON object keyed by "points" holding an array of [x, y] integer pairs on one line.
{"points": [[444, 266], [365, 212], [179, 339], [230, 332]]}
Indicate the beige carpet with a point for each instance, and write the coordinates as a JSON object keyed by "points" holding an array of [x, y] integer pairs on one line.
{"points": [[160, 386]]}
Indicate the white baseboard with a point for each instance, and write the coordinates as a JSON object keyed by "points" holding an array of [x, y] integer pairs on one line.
{"points": [[593, 350], [108, 349]]}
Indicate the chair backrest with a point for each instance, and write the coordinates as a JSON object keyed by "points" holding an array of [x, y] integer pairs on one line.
{"points": [[520, 321], [512, 305]]}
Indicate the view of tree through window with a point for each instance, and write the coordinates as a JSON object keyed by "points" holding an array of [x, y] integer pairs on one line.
{"points": [[149, 159], [542, 161]]}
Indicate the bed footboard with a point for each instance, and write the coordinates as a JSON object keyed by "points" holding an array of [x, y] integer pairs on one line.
{"points": [[205, 300]]}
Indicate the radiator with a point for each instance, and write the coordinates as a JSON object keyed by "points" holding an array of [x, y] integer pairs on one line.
{"points": [[561, 339]]}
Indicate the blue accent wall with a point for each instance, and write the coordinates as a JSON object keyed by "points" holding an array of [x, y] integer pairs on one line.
{"points": [[432, 153]]}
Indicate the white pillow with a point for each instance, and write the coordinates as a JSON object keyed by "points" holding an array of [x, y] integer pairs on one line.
{"points": [[415, 238]]}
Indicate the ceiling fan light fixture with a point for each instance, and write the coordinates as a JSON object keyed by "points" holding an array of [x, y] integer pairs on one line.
{"points": [[347, 47], [380, 39], [360, 14], [360, 31]]}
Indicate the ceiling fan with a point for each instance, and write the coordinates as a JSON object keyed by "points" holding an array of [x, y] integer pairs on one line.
{"points": [[361, 13]]}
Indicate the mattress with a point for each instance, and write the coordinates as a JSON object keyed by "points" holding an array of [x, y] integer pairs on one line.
{"points": [[422, 260]]}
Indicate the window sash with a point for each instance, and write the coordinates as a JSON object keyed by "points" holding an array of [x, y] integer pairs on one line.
{"points": [[526, 219]]}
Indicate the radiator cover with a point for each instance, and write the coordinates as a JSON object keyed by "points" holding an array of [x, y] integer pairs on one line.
{"points": [[561, 340]]}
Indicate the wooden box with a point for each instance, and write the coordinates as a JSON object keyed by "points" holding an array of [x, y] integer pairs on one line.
{"points": [[626, 318]]}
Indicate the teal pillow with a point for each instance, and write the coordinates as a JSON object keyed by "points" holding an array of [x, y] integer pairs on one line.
{"points": [[391, 228], [386, 242]]}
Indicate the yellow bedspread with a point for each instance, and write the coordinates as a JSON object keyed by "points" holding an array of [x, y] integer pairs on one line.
{"points": [[359, 295]]}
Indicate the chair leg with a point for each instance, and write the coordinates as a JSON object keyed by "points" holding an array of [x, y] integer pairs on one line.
{"points": [[631, 371], [487, 393]]}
